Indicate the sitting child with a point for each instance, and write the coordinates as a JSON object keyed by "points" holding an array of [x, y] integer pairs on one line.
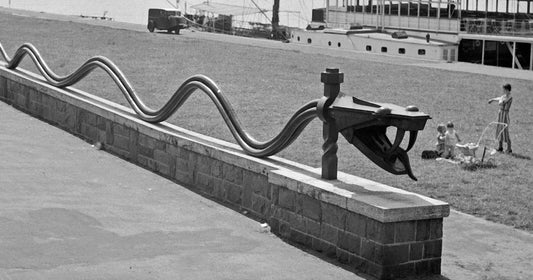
{"points": [[440, 139], [450, 139]]}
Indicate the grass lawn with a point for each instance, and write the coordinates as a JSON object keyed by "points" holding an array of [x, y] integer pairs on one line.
{"points": [[267, 85]]}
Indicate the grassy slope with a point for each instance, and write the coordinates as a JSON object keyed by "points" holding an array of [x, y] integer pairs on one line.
{"points": [[266, 86]]}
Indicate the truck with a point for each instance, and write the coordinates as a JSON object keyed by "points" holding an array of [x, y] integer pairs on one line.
{"points": [[166, 19]]}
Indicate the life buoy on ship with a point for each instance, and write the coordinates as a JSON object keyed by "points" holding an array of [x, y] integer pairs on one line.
{"points": [[477, 43]]}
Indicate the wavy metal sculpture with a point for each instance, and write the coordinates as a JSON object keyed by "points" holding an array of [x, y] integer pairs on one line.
{"points": [[364, 124], [288, 134]]}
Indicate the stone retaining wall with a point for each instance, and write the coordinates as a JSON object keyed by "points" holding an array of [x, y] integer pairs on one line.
{"points": [[373, 228]]}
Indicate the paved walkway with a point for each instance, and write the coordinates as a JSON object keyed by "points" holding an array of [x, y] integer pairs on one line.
{"points": [[71, 211]]}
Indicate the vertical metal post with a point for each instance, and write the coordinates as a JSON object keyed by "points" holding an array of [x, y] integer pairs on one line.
{"points": [[332, 80], [531, 57], [514, 54], [483, 52], [326, 19], [418, 13]]}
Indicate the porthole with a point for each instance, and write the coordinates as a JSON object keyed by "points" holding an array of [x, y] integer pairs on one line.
{"points": [[401, 51], [383, 49], [309, 41], [421, 52], [369, 48]]}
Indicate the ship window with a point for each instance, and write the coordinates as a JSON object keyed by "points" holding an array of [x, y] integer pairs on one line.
{"points": [[383, 49], [445, 54], [421, 52], [401, 51], [369, 48], [339, 44], [309, 41], [329, 43], [298, 38]]}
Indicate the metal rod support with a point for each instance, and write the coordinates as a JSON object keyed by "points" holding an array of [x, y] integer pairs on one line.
{"points": [[332, 80]]}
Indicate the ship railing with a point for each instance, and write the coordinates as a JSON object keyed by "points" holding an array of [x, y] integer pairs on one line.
{"points": [[494, 26]]}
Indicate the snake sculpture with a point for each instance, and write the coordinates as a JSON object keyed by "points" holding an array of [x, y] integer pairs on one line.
{"points": [[362, 123]]}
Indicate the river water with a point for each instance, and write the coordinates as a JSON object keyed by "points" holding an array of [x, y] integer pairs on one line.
{"points": [[135, 11]]}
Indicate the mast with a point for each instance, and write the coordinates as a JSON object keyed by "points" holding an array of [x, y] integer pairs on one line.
{"points": [[275, 20]]}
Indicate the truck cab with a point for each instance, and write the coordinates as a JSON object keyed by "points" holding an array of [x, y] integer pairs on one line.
{"points": [[166, 19]]}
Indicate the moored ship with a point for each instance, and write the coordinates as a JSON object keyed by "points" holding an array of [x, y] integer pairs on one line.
{"points": [[489, 32]]}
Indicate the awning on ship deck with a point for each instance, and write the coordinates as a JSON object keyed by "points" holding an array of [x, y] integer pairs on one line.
{"points": [[225, 9]]}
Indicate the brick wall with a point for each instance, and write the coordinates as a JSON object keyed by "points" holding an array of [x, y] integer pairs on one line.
{"points": [[358, 230]]}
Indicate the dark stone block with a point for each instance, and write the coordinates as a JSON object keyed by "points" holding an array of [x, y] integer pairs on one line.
{"points": [[398, 271], [260, 205], [184, 177], [109, 133], [274, 194], [101, 123], [394, 255], [435, 229], [134, 146], [301, 238], [328, 249], [203, 180], [349, 242], [121, 142], [404, 231], [89, 132], [334, 215], [356, 224], [284, 230], [146, 141], [257, 182], [309, 207], [422, 230], [433, 249], [282, 214], [415, 253], [121, 130], [246, 197], [344, 257], [219, 191], [329, 233], [369, 250], [274, 225], [216, 168], [232, 173], [203, 164], [435, 266], [160, 145], [287, 199], [233, 192], [3, 88], [185, 154], [297, 222], [379, 232], [421, 268], [312, 227], [87, 117]]}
